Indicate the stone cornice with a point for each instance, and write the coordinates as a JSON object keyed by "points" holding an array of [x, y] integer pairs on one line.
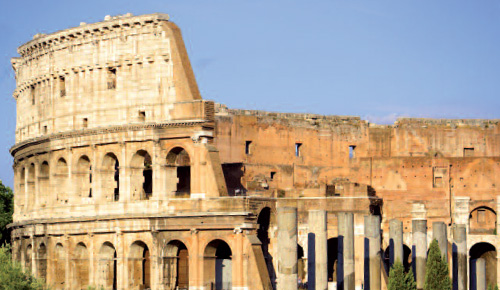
{"points": [[97, 131], [43, 42]]}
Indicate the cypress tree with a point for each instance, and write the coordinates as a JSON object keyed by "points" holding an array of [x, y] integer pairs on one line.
{"points": [[398, 280], [436, 273]]}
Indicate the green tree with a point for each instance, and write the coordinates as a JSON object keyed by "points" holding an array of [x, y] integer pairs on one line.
{"points": [[399, 280], [491, 287], [12, 275], [437, 275], [6, 211]]}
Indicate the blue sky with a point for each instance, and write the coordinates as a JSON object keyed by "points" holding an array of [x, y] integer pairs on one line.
{"points": [[374, 59]]}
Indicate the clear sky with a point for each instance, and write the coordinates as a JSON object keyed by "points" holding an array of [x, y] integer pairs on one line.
{"points": [[374, 59]]}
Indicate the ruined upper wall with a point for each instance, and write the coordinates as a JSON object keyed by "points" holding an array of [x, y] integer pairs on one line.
{"points": [[123, 70]]}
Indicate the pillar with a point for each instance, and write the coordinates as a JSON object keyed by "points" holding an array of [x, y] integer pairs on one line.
{"points": [[459, 257], [420, 250], [480, 274], [345, 260], [439, 233], [396, 241], [317, 268], [372, 253], [287, 251]]}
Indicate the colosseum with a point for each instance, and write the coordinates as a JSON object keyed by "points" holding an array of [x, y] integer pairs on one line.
{"points": [[125, 178]]}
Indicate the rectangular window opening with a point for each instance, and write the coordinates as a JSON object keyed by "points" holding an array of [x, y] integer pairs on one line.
{"points": [[85, 122], [248, 147], [44, 129], [273, 173], [469, 152], [481, 216], [32, 94], [142, 116], [111, 78], [297, 149], [352, 151], [62, 86]]}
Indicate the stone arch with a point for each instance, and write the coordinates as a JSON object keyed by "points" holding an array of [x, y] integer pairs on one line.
{"points": [[31, 185], [41, 261], [406, 258], [110, 174], [141, 175], [44, 183], [139, 266], [61, 179], [22, 187], [28, 256], [482, 220], [487, 252], [176, 265], [178, 172], [83, 177], [217, 265], [80, 265], [59, 266], [107, 266]]}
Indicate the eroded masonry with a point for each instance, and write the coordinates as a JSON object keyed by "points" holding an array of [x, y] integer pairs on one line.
{"points": [[126, 178]]}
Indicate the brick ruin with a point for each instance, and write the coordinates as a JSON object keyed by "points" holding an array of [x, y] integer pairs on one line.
{"points": [[125, 178]]}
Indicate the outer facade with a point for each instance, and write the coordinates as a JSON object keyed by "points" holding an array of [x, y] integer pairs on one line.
{"points": [[127, 179]]}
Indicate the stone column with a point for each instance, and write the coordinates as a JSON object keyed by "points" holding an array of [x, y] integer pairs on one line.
{"points": [[439, 233], [67, 262], [396, 241], [92, 260], [237, 279], [158, 188], [459, 257], [480, 274], [195, 262], [287, 251], [372, 253], [317, 268], [419, 228], [345, 260]]}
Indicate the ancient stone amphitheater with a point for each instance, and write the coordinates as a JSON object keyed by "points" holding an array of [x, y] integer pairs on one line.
{"points": [[126, 178]]}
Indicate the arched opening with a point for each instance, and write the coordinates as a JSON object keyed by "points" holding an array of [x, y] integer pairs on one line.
{"points": [[178, 173], [61, 177], [139, 266], [176, 266], [80, 266], [332, 250], [110, 173], [59, 266], [482, 221], [487, 252], [31, 185], [42, 261], [264, 221], [43, 184], [22, 188], [217, 265], [107, 266], [141, 176], [28, 258], [386, 259], [84, 177], [301, 264]]}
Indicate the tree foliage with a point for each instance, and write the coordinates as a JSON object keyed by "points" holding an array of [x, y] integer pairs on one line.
{"points": [[491, 287], [399, 280], [12, 275], [6, 211], [437, 275]]}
